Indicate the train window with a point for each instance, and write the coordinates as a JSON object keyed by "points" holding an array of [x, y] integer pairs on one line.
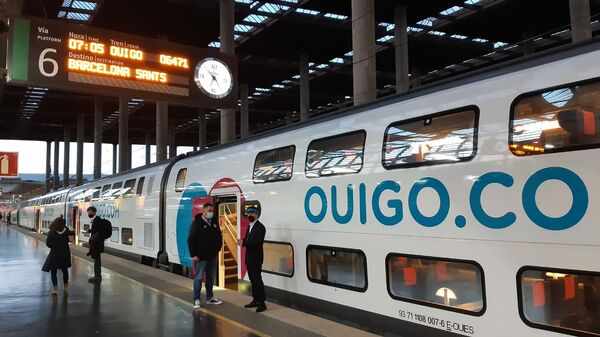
{"points": [[127, 236], [278, 258], [337, 267], [88, 195], [106, 192], [563, 301], [340, 154], [150, 183], [128, 189], [180, 182], [455, 285], [115, 235], [274, 165], [555, 120], [117, 189], [140, 186], [96, 194], [445, 137]]}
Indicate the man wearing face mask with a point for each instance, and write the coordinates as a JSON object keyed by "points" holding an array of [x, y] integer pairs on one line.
{"points": [[253, 241], [204, 243]]}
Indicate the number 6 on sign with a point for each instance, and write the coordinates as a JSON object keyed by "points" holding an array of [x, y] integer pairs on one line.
{"points": [[43, 59]]}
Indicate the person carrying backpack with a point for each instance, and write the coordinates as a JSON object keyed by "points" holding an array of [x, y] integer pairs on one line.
{"points": [[100, 230], [59, 257]]}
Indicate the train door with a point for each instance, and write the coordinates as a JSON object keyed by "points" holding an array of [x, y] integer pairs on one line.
{"points": [[75, 223], [36, 220], [227, 208]]}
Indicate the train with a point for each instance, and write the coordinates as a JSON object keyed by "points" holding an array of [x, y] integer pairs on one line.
{"points": [[460, 208]]}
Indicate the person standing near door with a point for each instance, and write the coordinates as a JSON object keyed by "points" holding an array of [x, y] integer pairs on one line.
{"points": [[96, 243], [253, 241], [204, 243]]}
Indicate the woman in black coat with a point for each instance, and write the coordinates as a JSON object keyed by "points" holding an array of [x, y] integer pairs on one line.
{"points": [[60, 254]]}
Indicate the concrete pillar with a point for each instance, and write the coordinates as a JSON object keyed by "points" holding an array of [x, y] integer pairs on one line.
{"points": [[123, 134], [363, 48], [80, 137], [48, 166], [162, 130], [202, 129], [304, 88], [56, 181], [416, 79], [66, 156], [528, 46], [172, 145], [581, 26], [401, 49], [114, 159], [244, 111], [148, 145], [98, 116], [226, 22]]}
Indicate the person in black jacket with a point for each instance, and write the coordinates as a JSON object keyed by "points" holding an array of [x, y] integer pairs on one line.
{"points": [[59, 257], [96, 244], [253, 241], [204, 243]]}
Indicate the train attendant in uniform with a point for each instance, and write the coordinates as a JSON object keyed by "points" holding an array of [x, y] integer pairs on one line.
{"points": [[204, 243], [253, 241], [59, 257]]}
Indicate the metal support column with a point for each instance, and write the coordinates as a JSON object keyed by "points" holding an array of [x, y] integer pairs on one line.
{"points": [[148, 144], [202, 129], [48, 166], [581, 25], [226, 23], [123, 134], [98, 116], [401, 49], [66, 156], [363, 47], [172, 146], [80, 137], [56, 180], [304, 88], [114, 159], [162, 130], [244, 111]]}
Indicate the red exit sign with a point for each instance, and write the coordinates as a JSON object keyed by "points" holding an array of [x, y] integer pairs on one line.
{"points": [[9, 164]]}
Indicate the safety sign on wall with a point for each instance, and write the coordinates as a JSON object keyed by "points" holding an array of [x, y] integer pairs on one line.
{"points": [[9, 164]]}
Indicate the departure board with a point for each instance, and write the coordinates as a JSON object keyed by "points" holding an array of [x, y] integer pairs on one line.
{"points": [[79, 58]]}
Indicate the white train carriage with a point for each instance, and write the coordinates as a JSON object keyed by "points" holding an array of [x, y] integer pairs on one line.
{"points": [[38, 213], [463, 208]]}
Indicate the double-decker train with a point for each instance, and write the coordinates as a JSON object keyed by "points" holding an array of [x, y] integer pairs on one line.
{"points": [[460, 208]]}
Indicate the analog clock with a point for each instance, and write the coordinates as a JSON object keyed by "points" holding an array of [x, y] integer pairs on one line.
{"points": [[214, 78]]}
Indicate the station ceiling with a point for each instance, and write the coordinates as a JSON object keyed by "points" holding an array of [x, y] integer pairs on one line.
{"points": [[446, 38]]}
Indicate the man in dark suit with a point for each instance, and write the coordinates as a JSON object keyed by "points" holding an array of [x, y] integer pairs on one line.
{"points": [[96, 243], [253, 241]]}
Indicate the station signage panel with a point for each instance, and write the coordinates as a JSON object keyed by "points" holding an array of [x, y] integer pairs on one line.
{"points": [[9, 164], [72, 57]]}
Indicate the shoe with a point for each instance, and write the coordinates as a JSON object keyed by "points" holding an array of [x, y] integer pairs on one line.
{"points": [[66, 287], [261, 307], [54, 291], [214, 300], [95, 280], [251, 305], [197, 304]]}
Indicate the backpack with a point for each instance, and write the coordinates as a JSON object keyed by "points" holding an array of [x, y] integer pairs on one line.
{"points": [[106, 229]]}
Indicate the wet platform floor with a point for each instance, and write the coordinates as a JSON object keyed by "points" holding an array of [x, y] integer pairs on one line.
{"points": [[116, 307]]}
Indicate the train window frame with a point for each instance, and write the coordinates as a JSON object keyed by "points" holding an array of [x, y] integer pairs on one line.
{"points": [[123, 242], [465, 108], [128, 190], [97, 193], [544, 326], [179, 181], [105, 188], [359, 131], [434, 305], [293, 147], [140, 186], [524, 95], [337, 285], [150, 183], [293, 259], [119, 193]]}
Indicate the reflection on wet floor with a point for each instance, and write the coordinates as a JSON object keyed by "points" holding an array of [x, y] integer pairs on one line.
{"points": [[116, 307]]}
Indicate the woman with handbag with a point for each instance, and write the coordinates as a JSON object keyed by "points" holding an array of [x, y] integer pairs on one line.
{"points": [[59, 257]]}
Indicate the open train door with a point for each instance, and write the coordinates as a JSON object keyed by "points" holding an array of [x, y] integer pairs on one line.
{"points": [[37, 220], [75, 224], [227, 209]]}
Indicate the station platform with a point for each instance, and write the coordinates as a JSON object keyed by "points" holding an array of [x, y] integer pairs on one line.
{"points": [[132, 300]]}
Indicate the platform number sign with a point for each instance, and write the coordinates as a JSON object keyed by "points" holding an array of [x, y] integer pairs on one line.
{"points": [[71, 57], [9, 164]]}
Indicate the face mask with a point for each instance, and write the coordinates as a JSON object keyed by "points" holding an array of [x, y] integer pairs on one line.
{"points": [[209, 215], [91, 215], [251, 218]]}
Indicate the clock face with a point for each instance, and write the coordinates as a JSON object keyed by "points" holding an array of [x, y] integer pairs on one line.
{"points": [[214, 78]]}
